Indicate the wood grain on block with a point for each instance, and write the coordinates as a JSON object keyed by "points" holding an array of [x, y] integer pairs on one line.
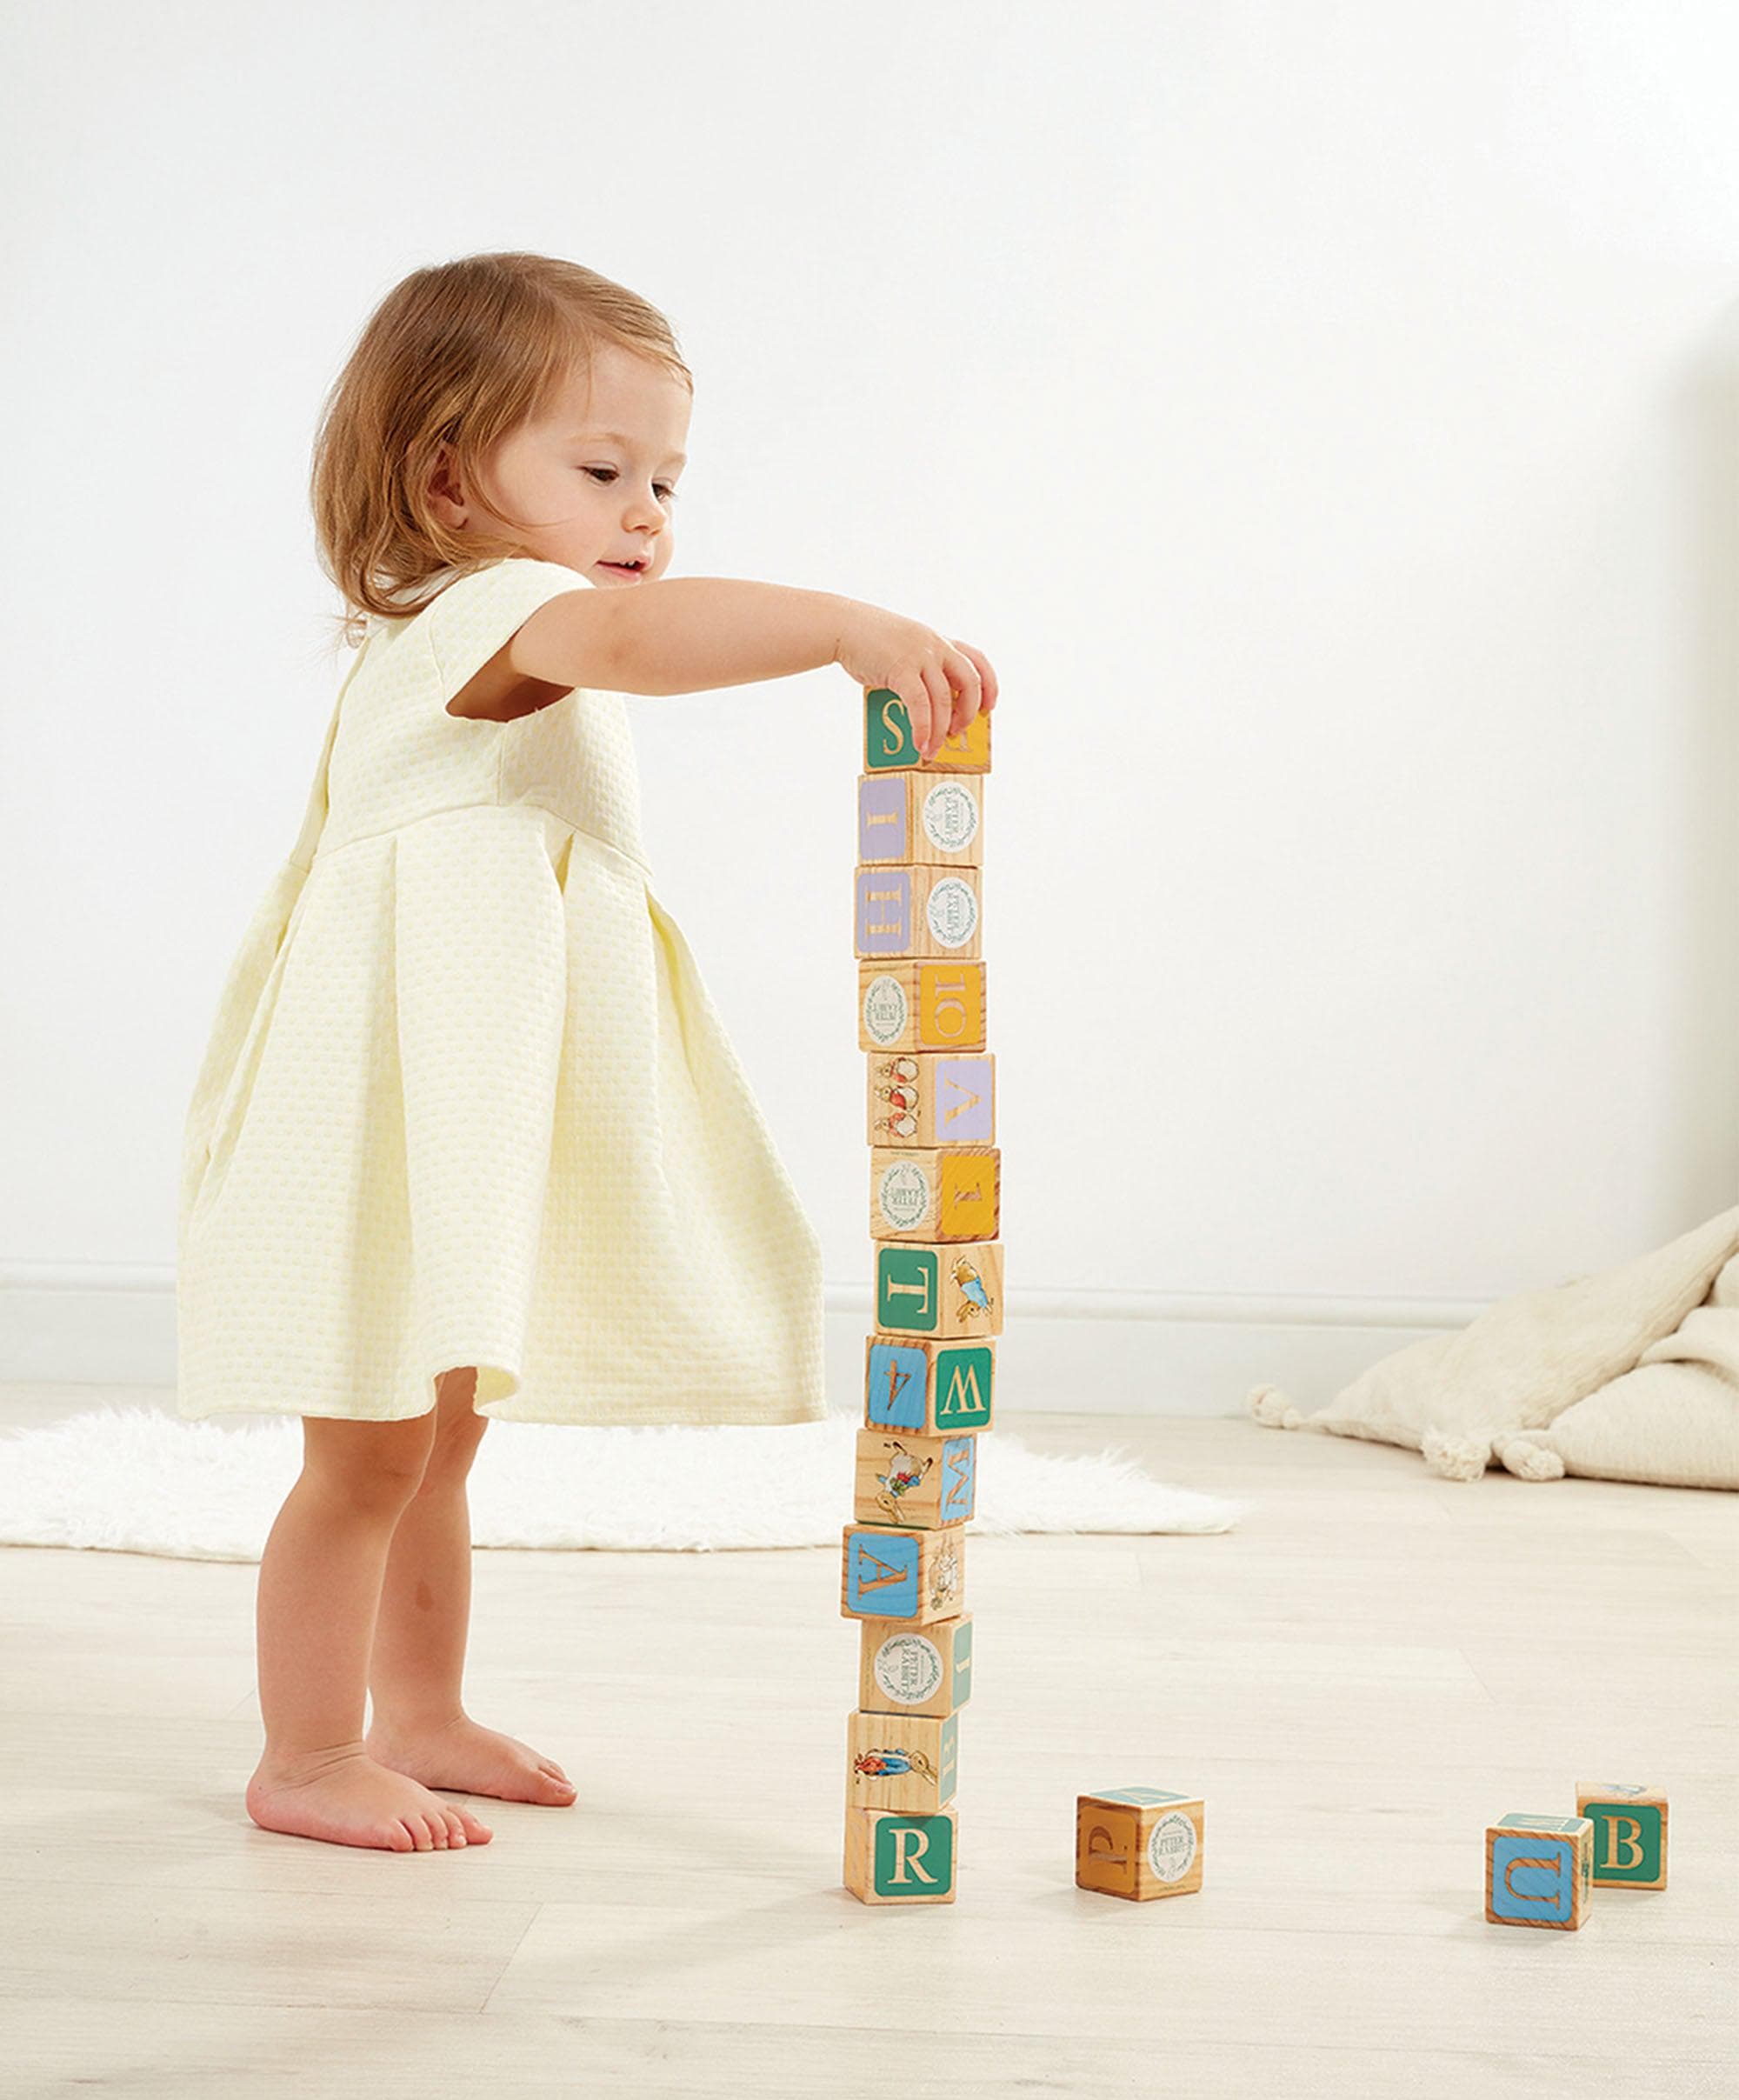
{"points": [[915, 910], [912, 1004], [932, 1388], [922, 1482], [1539, 1870], [945, 1192], [1630, 1833], [1139, 1842], [901, 1761], [931, 1097], [888, 745], [915, 1670], [914, 1576], [914, 817], [952, 1290], [895, 1856]]}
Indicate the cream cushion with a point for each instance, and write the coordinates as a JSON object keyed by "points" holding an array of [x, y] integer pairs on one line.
{"points": [[1503, 1387]]}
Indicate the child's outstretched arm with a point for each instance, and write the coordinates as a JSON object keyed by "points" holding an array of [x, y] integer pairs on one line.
{"points": [[693, 633]]}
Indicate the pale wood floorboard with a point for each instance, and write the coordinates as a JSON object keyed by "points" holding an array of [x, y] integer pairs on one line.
{"points": [[1373, 1666]]}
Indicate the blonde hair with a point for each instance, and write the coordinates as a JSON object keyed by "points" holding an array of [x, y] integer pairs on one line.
{"points": [[459, 355]]}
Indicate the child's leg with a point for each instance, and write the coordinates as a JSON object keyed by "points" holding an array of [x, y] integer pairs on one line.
{"points": [[417, 1669], [319, 1592]]}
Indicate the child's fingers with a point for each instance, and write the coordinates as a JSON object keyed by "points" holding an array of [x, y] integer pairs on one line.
{"points": [[941, 707], [987, 678]]}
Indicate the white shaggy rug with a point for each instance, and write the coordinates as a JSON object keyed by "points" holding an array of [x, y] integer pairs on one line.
{"points": [[137, 1480]]}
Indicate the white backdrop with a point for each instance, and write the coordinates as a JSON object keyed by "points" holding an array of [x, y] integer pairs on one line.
{"points": [[1323, 415]]}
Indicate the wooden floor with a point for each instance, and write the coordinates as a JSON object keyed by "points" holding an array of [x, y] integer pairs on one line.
{"points": [[1373, 1666]]}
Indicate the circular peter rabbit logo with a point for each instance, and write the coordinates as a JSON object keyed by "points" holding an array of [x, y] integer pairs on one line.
{"points": [[884, 1010], [952, 911], [1171, 1847], [908, 1668], [949, 817], [903, 1193]]}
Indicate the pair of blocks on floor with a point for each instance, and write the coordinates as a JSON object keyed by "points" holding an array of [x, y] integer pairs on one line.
{"points": [[1543, 1870]]}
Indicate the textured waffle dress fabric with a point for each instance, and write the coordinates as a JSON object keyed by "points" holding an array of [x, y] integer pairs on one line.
{"points": [[467, 1099]]}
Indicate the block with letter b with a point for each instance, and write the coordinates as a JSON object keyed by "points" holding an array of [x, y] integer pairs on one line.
{"points": [[894, 1856], [928, 1098], [912, 1003], [940, 1192], [914, 1576], [1539, 1870], [1139, 1842], [914, 817], [1629, 1833], [922, 1482], [915, 1670], [932, 1387], [917, 910], [888, 745], [953, 1291]]}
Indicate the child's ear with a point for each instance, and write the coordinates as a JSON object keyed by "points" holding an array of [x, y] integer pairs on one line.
{"points": [[446, 496]]}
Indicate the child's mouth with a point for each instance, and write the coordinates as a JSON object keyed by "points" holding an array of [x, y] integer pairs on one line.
{"points": [[625, 567]]}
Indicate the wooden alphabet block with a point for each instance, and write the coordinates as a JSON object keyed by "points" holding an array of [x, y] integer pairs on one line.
{"points": [[916, 1004], [932, 1387], [1539, 1870], [914, 817], [915, 910], [915, 1670], [889, 746], [929, 1098], [946, 1192], [1138, 1842], [951, 1290], [895, 1857], [1629, 1833], [901, 1761], [914, 1577], [921, 1482]]}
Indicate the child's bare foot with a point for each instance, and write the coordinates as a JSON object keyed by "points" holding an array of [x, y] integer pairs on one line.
{"points": [[472, 1759], [349, 1797]]}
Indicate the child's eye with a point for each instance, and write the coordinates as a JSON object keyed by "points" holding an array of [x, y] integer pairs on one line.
{"points": [[608, 474]]}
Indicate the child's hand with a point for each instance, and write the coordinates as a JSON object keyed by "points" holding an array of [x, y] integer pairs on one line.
{"points": [[943, 684]]}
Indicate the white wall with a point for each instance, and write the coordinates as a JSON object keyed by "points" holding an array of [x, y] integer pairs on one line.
{"points": [[1323, 414]]}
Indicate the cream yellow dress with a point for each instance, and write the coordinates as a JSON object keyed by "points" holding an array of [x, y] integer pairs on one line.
{"points": [[466, 1098]]}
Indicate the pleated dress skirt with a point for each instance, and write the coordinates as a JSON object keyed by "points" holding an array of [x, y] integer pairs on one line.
{"points": [[467, 1100]]}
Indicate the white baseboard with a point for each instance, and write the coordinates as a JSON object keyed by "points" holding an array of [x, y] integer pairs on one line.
{"points": [[1099, 1353]]}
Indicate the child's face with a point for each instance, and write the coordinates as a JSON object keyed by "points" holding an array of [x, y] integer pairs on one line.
{"points": [[594, 476]]}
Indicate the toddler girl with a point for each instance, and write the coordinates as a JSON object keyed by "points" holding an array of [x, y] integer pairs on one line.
{"points": [[469, 1138]]}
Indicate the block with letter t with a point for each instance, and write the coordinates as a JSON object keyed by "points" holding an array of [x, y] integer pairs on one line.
{"points": [[952, 1291]]}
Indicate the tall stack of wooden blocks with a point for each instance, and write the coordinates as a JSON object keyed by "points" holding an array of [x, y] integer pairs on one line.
{"points": [[930, 1363]]}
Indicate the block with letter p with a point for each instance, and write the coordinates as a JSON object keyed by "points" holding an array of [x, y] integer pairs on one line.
{"points": [[1138, 1842]]}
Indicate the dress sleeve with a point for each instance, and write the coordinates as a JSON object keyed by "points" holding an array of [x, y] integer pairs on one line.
{"points": [[471, 618]]}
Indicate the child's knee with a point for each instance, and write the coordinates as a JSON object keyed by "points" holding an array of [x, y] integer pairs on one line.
{"points": [[369, 1464]]}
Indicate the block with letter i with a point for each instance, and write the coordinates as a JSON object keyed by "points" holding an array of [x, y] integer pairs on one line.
{"points": [[1138, 1843], [1539, 1870], [1629, 1833]]}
